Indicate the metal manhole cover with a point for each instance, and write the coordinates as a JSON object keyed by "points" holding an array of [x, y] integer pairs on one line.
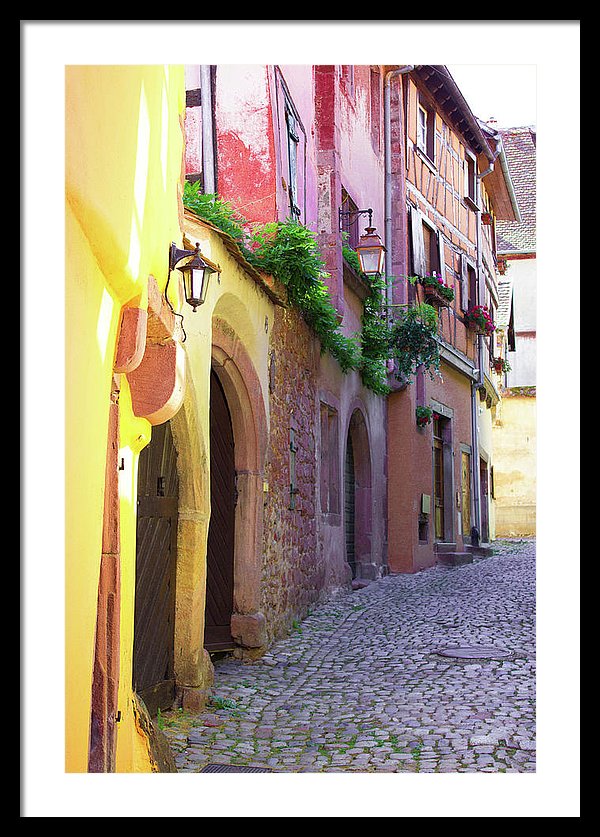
{"points": [[475, 652], [233, 768]]}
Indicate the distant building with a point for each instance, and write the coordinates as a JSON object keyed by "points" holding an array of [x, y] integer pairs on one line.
{"points": [[515, 425]]}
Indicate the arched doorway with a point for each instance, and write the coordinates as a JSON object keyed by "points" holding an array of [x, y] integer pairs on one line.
{"points": [[221, 530], [156, 559], [350, 506], [358, 512]]}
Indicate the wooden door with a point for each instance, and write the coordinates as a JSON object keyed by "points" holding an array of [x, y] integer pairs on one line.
{"points": [[466, 493], [438, 488], [221, 531], [156, 557], [350, 506], [483, 483]]}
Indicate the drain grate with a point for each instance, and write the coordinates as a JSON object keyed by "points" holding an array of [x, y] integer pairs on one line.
{"points": [[233, 768], [475, 652]]}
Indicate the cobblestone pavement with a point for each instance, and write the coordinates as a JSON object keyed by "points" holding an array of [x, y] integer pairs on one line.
{"points": [[363, 683]]}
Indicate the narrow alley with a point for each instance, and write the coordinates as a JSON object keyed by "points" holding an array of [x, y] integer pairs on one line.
{"points": [[432, 672]]}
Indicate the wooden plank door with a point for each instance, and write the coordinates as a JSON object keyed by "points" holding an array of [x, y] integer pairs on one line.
{"points": [[350, 506], [465, 478], [438, 488], [156, 557], [221, 531], [484, 501]]}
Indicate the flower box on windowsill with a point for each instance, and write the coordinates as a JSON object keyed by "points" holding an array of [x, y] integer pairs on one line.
{"points": [[480, 320], [435, 297]]}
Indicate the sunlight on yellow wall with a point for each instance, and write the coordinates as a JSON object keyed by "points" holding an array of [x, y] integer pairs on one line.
{"points": [[123, 155]]}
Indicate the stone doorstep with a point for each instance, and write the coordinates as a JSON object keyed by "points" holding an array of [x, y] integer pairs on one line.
{"points": [[454, 559], [480, 551]]}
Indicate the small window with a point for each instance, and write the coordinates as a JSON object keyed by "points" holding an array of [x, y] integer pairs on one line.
{"points": [[350, 220], [426, 131], [427, 247], [293, 140], [329, 475], [470, 180]]}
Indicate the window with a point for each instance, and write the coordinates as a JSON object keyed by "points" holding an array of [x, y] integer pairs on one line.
{"points": [[468, 284], [427, 246], [470, 189], [350, 220], [329, 476], [426, 131], [293, 140]]}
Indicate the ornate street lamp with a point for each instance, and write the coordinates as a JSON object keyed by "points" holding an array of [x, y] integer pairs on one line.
{"points": [[370, 249], [371, 252], [196, 273]]}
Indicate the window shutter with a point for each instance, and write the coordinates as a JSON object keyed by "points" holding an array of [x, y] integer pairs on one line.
{"points": [[442, 257], [418, 246], [464, 283], [293, 140]]}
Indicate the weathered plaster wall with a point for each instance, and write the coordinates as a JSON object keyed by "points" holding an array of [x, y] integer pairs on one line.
{"points": [[515, 464]]}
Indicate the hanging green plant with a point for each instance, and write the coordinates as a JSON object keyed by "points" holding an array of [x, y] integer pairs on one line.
{"points": [[423, 415], [414, 341]]}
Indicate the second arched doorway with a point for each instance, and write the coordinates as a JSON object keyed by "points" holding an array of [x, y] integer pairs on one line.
{"points": [[221, 530], [358, 516]]}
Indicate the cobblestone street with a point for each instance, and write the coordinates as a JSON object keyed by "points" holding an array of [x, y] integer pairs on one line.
{"points": [[425, 673]]}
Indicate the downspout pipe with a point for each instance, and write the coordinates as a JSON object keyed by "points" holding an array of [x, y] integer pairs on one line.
{"points": [[208, 150], [388, 169], [478, 382]]}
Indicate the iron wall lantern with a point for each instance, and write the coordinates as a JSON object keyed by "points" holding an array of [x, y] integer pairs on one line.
{"points": [[370, 249], [371, 253], [196, 273]]}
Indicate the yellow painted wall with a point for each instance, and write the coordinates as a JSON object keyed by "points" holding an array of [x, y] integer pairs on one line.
{"points": [[123, 158], [515, 439]]}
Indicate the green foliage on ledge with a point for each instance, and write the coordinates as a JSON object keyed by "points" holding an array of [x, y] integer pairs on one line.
{"points": [[289, 252]]}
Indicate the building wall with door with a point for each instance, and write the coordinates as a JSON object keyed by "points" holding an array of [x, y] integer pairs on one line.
{"points": [[442, 238], [273, 163], [452, 185], [123, 175]]}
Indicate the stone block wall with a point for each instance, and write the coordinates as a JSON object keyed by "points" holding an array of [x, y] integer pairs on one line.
{"points": [[291, 577]]}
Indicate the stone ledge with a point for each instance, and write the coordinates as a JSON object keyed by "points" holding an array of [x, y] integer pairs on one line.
{"points": [[454, 559]]}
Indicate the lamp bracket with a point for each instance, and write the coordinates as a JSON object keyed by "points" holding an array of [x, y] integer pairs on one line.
{"points": [[355, 213], [176, 254]]}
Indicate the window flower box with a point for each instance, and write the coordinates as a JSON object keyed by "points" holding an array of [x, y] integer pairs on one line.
{"points": [[480, 320], [436, 291]]}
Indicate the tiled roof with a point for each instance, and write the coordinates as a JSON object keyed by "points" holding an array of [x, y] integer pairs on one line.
{"points": [[519, 147]]}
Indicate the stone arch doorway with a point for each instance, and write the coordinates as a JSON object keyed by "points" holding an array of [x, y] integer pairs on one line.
{"points": [[241, 389], [220, 550], [358, 512]]}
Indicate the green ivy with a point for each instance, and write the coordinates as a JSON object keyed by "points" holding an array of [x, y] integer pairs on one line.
{"points": [[289, 252]]}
